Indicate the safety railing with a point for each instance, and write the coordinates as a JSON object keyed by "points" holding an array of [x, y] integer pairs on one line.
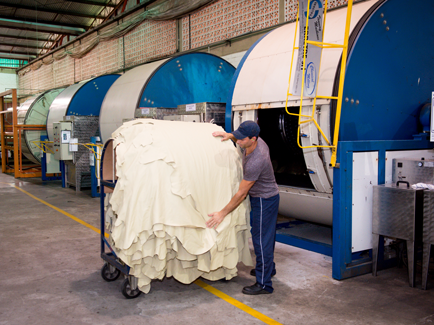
{"points": [[43, 145], [96, 149], [92, 147], [97, 154]]}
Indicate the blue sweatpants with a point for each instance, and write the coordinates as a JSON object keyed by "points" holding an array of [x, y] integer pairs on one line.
{"points": [[263, 218]]}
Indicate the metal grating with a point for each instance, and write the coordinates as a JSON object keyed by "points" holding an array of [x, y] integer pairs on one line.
{"points": [[84, 127], [428, 217]]}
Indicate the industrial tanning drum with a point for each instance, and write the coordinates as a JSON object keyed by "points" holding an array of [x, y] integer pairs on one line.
{"points": [[34, 111], [389, 77], [386, 83], [80, 99], [184, 79]]}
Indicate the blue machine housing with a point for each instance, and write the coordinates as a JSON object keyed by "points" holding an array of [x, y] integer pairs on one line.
{"points": [[188, 78], [184, 79], [390, 71], [88, 98]]}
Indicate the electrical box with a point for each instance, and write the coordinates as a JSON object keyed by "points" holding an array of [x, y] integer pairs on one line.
{"points": [[184, 118], [203, 112], [413, 171], [157, 113], [62, 132], [172, 118]]}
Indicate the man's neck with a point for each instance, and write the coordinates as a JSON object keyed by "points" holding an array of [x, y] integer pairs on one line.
{"points": [[250, 149]]}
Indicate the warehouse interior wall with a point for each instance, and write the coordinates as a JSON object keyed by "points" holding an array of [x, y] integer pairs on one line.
{"points": [[226, 28], [8, 79]]}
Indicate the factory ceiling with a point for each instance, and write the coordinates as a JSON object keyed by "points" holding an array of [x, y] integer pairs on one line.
{"points": [[31, 28]]}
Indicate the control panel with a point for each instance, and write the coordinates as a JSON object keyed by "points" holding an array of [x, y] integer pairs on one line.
{"points": [[62, 136]]}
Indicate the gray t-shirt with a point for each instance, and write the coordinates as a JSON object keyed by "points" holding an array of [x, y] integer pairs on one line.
{"points": [[257, 167]]}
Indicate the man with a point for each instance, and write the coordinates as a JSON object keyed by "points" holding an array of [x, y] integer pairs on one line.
{"points": [[259, 182]]}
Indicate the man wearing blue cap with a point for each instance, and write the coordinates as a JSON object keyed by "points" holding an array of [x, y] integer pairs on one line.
{"points": [[259, 182]]}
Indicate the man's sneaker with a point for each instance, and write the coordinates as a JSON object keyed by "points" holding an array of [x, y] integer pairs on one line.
{"points": [[255, 289]]}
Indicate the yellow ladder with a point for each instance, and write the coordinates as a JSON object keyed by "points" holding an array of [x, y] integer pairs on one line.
{"points": [[311, 118]]}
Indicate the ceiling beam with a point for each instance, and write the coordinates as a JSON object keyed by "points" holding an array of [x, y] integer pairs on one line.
{"points": [[113, 12], [93, 3], [140, 6], [56, 11], [16, 54], [24, 45], [38, 39], [39, 22], [40, 28]]}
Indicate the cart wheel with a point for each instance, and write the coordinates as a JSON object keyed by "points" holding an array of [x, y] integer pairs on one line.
{"points": [[107, 275], [127, 292]]}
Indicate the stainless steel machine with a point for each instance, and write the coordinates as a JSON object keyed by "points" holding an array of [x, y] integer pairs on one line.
{"points": [[397, 212], [403, 212], [154, 112], [413, 170], [203, 112], [427, 233]]}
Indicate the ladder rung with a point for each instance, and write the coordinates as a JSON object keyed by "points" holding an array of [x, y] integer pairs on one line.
{"points": [[325, 45]]}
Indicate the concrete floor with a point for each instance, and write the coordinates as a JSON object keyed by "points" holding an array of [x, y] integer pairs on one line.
{"points": [[50, 274]]}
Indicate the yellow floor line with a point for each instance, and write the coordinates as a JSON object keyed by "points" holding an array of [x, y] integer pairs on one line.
{"points": [[214, 291], [61, 211], [236, 303]]}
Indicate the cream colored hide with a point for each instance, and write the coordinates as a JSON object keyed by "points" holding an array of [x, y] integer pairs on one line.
{"points": [[171, 175]]}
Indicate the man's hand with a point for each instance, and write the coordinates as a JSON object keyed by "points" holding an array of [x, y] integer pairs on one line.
{"points": [[217, 218], [225, 136]]}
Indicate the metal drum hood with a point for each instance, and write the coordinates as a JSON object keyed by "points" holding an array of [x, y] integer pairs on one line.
{"points": [[34, 111], [184, 79], [80, 99]]}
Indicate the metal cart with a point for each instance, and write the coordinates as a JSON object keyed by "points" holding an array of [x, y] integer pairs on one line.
{"points": [[113, 266]]}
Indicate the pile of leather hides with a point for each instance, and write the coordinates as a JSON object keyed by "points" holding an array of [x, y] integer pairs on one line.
{"points": [[171, 175]]}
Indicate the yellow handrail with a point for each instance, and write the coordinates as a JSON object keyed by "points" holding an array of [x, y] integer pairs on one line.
{"points": [[292, 61], [96, 154], [43, 146], [324, 45], [341, 84]]}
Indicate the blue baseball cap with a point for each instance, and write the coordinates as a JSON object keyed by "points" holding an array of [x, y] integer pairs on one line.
{"points": [[247, 129]]}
